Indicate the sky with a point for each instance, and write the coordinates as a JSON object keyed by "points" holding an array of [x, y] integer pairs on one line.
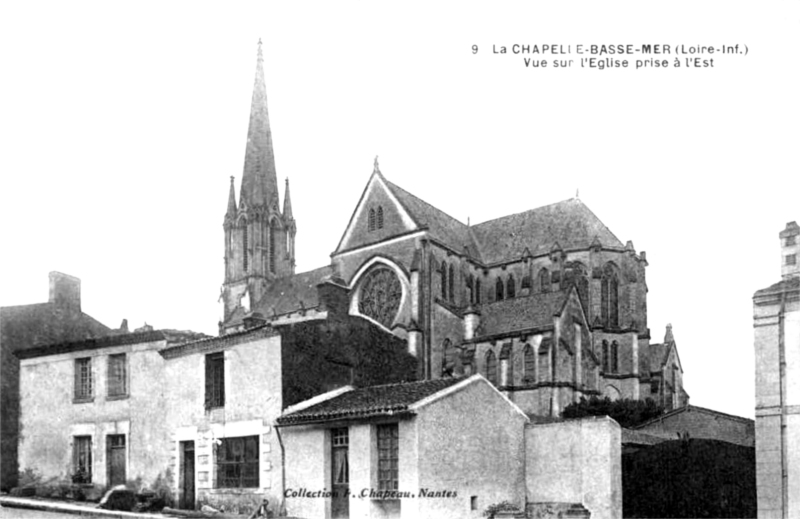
{"points": [[121, 124]]}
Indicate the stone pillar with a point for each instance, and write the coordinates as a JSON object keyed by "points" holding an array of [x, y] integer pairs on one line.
{"points": [[472, 318], [635, 361]]}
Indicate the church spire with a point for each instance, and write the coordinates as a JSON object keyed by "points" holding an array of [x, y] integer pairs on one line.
{"points": [[230, 214], [259, 181], [287, 203]]}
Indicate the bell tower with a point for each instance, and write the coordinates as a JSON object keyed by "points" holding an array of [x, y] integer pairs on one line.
{"points": [[259, 237]]}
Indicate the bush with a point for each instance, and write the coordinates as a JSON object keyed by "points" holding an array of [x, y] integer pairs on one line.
{"points": [[627, 412], [503, 506], [29, 478], [124, 500]]}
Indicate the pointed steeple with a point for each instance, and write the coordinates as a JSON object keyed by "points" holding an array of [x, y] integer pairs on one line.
{"points": [[287, 204], [668, 337], [230, 214], [259, 181]]}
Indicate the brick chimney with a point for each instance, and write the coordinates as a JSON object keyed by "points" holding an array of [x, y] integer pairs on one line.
{"points": [[790, 251], [65, 291]]}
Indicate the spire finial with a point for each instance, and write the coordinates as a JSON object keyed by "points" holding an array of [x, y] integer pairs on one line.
{"points": [[577, 192], [260, 53], [375, 169]]}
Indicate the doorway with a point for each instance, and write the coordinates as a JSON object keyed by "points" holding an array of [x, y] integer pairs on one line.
{"points": [[116, 454], [340, 499], [187, 475]]}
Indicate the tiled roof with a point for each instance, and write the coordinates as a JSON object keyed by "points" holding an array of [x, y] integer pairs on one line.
{"points": [[92, 344], [570, 223], [209, 344], [386, 400], [30, 326], [520, 313], [441, 226]]}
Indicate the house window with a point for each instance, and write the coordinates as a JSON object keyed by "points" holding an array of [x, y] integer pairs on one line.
{"points": [[215, 380], [388, 456], [544, 280], [451, 284], [498, 289], [237, 462], [380, 217], [371, 222], [530, 363], [511, 287], [791, 259], [491, 367], [117, 375], [82, 459], [83, 379]]}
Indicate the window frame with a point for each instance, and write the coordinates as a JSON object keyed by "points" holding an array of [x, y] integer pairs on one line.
{"points": [[387, 438], [83, 390], [215, 372], [82, 450], [115, 380], [226, 446]]}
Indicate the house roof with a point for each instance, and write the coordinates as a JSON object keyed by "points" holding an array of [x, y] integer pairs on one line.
{"points": [[693, 409], [91, 344], [785, 285], [208, 344], [30, 326], [631, 437], [441, 226], [373, 401], [535, 311], [569, 223]]}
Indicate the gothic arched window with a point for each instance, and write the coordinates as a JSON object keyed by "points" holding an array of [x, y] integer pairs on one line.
{"points": [[491, 367], [380, 217], [380, 295], [529, 363], [477, 291], [448, 357], [498, 289], [443, 274], [371, 221], [526, 282], [451, 285], [273, 254], [609, 296], [614, 363], [244, 246], [544, 280], [606, 362], [470, 289], [511, 287]]}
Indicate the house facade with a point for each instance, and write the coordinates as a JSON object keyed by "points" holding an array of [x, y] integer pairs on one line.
{"points": [[93, 411], [776, 324]]}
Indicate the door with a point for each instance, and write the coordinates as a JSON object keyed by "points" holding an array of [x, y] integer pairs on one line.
{"points": [[187, 475], [340, 499], [115, 454]]}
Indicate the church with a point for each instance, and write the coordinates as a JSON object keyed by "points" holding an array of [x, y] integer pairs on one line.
{"points": [[548, 304]]}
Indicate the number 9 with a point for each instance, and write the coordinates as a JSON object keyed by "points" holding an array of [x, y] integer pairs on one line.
{"points": [[474, 49]]}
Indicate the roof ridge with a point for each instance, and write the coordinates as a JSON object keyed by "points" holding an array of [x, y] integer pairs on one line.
{"points": [[409, 382]]}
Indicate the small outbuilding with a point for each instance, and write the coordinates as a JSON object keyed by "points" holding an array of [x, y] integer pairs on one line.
{"points": [[438, 448]]}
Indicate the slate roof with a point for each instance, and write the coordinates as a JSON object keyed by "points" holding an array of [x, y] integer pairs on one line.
{"points": [[29, 326], [631, 437], [785, 285], [659, 353], [535, 311], [441, 226], [570, 223], [285, 295], [695, 409], [91, 344], [368, 402]]}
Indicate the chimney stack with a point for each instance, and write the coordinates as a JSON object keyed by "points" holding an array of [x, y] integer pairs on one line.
{"points": [[65, 291], [790, 250]]}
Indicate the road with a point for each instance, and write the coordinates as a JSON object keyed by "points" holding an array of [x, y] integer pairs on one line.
{"points": [[14, 513]]}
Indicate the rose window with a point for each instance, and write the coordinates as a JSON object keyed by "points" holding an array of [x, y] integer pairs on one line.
{"points": [[380, 296]]}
